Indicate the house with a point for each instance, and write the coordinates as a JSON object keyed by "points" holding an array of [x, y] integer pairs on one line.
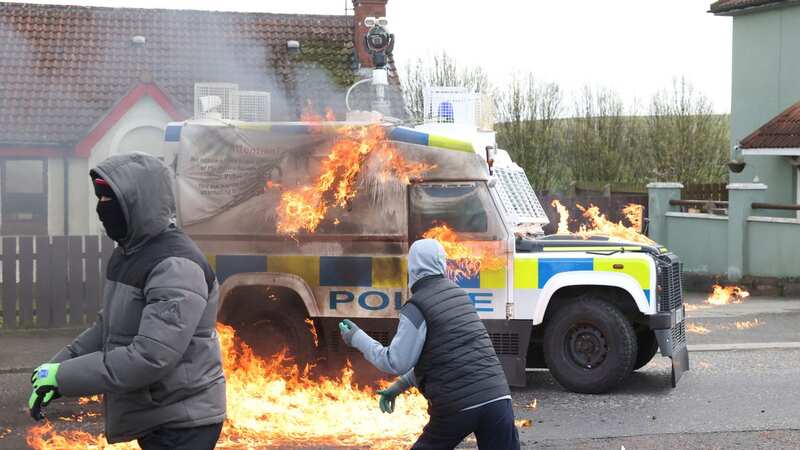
{"points": [[780, 139], [78, 84], [757, 243], [765, 81]]}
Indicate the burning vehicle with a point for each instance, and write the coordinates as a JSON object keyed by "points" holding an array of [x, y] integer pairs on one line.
{"points": [[307, 223]]}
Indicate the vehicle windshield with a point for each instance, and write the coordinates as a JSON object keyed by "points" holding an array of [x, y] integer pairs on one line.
{"points": [[465, 207]]}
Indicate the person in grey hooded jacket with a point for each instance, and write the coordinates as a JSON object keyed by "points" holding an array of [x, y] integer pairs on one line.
{"points": [[442, 347], [153, 352]]}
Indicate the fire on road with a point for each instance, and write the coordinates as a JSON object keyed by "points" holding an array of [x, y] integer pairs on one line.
{"points": [[274, 403]]}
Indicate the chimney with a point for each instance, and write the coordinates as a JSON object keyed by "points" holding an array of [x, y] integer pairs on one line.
{"points": [[364, 9]]}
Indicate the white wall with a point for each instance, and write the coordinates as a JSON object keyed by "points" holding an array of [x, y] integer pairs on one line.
{"points": [[138, 130], [80, 206], [55, 196]]}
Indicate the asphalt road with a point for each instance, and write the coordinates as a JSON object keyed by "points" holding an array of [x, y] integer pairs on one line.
{"points": [[724, 395], [735, 397]]}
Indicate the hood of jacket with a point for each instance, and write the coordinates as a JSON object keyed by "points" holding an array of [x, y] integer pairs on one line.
{"points": [[143, 186], [426, 258]]}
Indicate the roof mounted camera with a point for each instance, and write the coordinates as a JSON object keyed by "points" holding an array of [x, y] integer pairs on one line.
{"points": [[378, 40]]}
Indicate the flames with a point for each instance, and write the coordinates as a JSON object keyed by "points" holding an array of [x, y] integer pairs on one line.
{"points": [[563, 217], [721, 296], [88, 400], [746, 325], [45, 436], [274, 403], [313, 329], [738, 325], [696, 328], [309, 114], [465, 258], [635, 215], [304, 208], [599, 225], [727, 295]]}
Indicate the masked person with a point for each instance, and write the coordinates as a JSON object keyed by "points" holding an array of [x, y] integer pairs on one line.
{"points": [[153, 352], [442, 347]]}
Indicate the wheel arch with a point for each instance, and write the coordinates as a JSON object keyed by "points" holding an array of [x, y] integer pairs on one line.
{"points": [[590, 279], [269, 279]]}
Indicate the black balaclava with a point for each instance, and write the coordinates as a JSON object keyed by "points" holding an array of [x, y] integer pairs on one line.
{"points": [[110, 211]]}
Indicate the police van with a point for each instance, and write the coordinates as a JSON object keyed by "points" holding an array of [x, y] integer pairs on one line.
{"points": [[590, 310]]}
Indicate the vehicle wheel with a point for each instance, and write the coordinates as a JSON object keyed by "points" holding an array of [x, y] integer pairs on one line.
{"points": [[589, 345], [269, 326], [648, 346], [270, 333]]}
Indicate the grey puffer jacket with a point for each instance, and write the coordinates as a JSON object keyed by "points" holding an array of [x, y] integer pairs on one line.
{"points": [[153, 351]]}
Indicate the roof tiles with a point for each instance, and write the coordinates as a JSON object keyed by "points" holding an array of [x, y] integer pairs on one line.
{"points": [[62, 68], [729, 6], [783, 131]]}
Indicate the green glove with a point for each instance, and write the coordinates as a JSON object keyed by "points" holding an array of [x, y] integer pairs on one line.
{"points": [[348, 329], [388, 397], [45, 388]]}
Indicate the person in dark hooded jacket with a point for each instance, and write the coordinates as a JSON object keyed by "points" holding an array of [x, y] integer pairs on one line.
{"points": [[153, 352], [442, 347]]}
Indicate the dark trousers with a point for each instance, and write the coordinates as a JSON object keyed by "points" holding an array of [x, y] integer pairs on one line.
{"points": [[197, 438], [493, 425]]}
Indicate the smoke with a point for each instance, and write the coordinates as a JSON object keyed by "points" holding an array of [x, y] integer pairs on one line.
{"points": [[73, 64], [27, 86], [250, 50]]}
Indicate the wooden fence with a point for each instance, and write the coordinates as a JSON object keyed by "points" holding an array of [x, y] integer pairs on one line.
{"points": [[709, 191], [52, 281]]}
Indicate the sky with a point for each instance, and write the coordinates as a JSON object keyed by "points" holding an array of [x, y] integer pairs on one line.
{"points": [[635, 47]]}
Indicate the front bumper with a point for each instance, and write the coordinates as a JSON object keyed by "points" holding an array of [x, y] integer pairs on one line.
{"points": [[667, 319], [672, 342], [669, 323]]}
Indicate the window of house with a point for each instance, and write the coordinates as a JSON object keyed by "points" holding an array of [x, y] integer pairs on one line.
{"points": [[24, 196]]}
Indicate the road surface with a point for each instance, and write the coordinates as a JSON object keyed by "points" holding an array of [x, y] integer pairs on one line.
{"points": [[741, 393]]}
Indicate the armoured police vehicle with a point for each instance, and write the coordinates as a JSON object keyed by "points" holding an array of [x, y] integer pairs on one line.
{"points": [[590, 310]]}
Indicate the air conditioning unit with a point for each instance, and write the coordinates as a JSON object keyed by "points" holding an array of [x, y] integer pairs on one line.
{"points": [[216, 100], [254, 106], [453, 105]]}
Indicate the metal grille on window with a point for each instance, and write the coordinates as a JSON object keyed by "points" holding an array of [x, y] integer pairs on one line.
{"points": [[216, 100], [517, 196], [254, 106], [452, 105]]}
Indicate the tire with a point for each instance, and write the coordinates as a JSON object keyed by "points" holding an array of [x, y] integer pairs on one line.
{"points": [[648, 346], [589, 345], [270, 333], [269, 326]]}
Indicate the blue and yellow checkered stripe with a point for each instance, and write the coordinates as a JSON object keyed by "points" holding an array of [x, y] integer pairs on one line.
{"points": [[388, 272], [485, 279], [534, 273], [354, 271], [408, 135]]}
